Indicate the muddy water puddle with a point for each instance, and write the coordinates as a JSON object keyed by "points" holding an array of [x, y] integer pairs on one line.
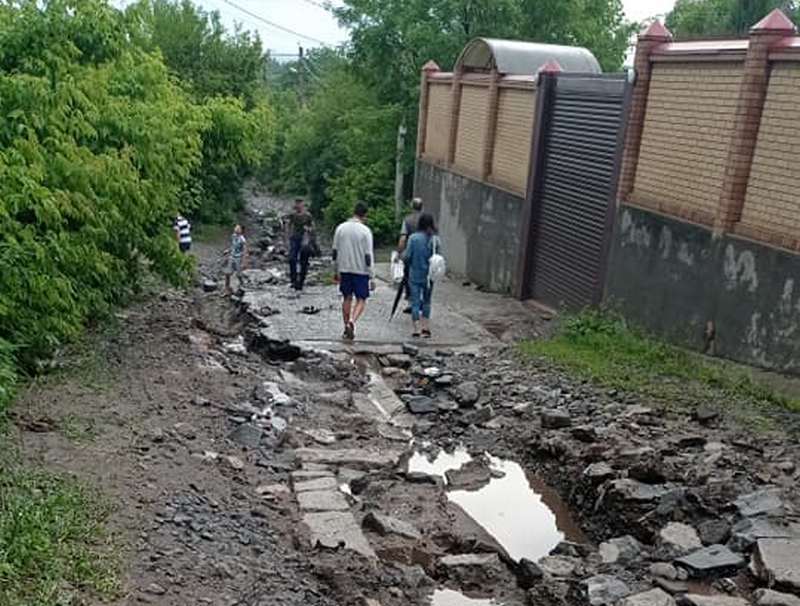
{"points": [[440, 464], [524, 515], [446, 597]]}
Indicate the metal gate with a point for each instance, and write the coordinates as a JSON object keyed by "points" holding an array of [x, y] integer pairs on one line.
{"points": [[575, 165]]}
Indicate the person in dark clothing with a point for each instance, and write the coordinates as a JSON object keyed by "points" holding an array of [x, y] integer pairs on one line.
{"points": [[299, 226], [417, 256], [407, 229]]}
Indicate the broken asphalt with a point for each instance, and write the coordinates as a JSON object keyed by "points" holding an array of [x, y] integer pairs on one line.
{"points": [[255, 458]]}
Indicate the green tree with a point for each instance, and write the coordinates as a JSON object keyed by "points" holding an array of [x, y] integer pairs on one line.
{"points": [[390, 41], [226, 73], [336, 147], [96, 142], [199, 50], [236, 144], [698, 18]]}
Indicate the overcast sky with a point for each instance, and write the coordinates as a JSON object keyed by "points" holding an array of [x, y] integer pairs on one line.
{"points": [[308, 18]]}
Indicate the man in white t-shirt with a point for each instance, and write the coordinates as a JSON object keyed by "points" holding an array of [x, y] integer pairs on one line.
{"points": [[355, 267]]}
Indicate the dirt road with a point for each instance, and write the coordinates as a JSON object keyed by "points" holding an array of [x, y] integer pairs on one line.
{"points": [[247, 470]]}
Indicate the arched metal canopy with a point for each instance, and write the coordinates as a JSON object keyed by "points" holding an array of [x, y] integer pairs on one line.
{"points": [[511, 57]]}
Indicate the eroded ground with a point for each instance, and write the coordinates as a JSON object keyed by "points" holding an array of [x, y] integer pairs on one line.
{"points": [[247, 470]]}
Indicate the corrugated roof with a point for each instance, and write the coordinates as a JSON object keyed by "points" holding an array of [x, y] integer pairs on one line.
{"points": [[512, 57]]}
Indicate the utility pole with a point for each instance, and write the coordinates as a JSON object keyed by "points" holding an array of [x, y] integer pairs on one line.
{"points": [[398, 174], [300, 75]]}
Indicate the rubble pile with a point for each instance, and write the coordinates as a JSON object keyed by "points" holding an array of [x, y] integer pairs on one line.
{"points": [[679, 502]]}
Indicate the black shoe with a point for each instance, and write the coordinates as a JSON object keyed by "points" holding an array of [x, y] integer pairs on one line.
{"points": [[407, 310]]}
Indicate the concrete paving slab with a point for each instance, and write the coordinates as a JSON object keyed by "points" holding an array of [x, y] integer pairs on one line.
{"points": [[777, 561], [383, 396], [325, 483], [462, 316], [349, 457], [374, 327], [654, 597], [333, 528], [303, 475], [322, 500], [713, 600], [711, 561]]}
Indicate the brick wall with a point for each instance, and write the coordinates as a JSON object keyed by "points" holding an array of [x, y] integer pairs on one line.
{"points": [[472, 129], [436, 140], [772, 202], [513, 138], [687, 127]]}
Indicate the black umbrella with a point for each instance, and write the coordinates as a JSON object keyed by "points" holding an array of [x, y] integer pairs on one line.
{"points": [[400, 290]]}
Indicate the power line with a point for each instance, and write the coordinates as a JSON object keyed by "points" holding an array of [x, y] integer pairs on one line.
{"points": [[317, 3], [273, 24]]}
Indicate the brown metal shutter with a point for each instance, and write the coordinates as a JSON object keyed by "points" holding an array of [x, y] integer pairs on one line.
{"points": [[574, 193]]}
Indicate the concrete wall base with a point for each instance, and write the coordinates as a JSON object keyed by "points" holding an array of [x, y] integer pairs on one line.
{"points": [[675, 278], [479, 225]]}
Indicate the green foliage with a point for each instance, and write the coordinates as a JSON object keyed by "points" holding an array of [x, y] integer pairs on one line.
{"points": [[601, 346], [8, 377], [198, 50], [96, 142], [390, 41], [699, 18], [236, 143], [336, 148], [50, 529], [225, 73]]}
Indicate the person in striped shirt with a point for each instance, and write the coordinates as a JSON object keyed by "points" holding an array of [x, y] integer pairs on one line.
{"points": [[183, 232]]}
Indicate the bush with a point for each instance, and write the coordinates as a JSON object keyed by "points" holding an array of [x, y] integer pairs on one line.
{"points": [[96, 144], [365, 183]]}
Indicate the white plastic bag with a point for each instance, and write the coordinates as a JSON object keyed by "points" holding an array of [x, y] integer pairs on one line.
{"points": [[398, 268], [438, 266]]}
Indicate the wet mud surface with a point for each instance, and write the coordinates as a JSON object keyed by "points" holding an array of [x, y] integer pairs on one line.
{"points": [[247, 467]]}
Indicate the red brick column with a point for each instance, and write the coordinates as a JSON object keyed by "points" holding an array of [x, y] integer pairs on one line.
{"points": [[424, 103], [655, 35], [491, 125], [752, 92], [455, 111]]}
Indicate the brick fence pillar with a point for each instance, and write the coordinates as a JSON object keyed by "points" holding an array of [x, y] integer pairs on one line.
{"points": [[655, 35], [752, 91], [491, 125], [424, 104], [455, 111]]}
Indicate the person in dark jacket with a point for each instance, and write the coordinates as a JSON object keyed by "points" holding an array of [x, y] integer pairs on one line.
{"points": [[407, 229], [300, 227]]}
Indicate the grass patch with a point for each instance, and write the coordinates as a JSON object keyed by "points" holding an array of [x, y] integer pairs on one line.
{"points": [[77, 429], [52, 541], [601, 346]]}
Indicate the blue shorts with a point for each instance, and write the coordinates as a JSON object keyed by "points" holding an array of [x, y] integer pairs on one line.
{"points": [[354, 284]]}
